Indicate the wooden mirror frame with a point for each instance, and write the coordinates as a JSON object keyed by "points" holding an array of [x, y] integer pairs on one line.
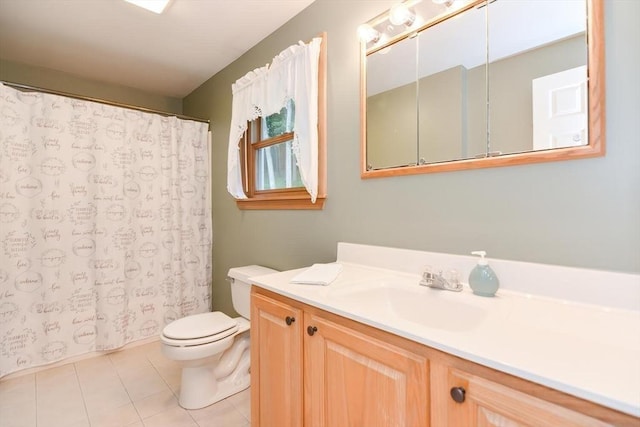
{"points": [[596, 108]]}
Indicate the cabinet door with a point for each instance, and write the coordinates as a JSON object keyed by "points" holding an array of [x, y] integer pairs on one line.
{"points": [[353, 380], [276, 363], [485, 403]]}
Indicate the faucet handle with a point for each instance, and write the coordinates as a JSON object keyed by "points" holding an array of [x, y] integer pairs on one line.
{"points": [[452, 277], [427, 276], [439, 280]]}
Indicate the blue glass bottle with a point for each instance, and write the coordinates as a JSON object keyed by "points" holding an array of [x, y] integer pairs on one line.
{"points": [[483, 280]]}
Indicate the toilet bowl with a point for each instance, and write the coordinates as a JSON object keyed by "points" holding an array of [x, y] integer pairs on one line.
{"points": [[213, 348]]}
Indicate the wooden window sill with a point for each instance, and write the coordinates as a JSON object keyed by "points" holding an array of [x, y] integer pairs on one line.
{"points": [[281, 203]]}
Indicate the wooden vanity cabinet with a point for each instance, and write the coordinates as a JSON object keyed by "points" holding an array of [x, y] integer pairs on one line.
{"points": [[276, 363], [353, 379], [314, 368], [350, 377], [460, 398]]}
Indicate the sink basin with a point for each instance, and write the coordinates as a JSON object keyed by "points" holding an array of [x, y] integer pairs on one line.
{"points": [[424, 306]]}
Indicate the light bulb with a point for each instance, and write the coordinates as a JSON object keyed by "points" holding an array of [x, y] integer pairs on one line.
{"points": [[156, 6], [400, 14], [368, 34], [446, 3]]}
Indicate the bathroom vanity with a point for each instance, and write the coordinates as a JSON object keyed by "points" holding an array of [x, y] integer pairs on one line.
{"points": [[374, 348]]}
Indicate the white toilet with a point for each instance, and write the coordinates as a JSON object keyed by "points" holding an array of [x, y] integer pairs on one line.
{"points": [[213, 348]]}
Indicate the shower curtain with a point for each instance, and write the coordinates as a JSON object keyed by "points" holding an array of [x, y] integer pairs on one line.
{"points": [[105, 226]]}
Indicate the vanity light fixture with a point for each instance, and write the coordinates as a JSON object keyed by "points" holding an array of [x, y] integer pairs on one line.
{"points": [[156, 6], [446, 3], [368, 34], [400, 14]]}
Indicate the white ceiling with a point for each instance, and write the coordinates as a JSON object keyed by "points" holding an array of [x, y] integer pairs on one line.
{"points": [[116, 42]]}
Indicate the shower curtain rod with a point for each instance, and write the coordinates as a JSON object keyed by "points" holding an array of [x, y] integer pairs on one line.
{"points": [[101, 101]]}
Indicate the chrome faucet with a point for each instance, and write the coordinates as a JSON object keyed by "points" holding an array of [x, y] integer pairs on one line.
{"points": [[438, 281]]}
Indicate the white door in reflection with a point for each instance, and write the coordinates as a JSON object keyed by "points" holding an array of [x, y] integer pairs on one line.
{"points": [[560, 109]]}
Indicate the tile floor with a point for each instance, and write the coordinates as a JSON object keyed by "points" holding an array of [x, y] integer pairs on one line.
{"points": [[136, 387]]}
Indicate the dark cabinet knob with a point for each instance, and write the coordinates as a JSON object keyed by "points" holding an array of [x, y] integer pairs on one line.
{"points": [[289, 320], [457, 394], [311, 330]]}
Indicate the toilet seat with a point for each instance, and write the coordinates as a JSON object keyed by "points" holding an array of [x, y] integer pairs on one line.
{"points": [[199, 329]]}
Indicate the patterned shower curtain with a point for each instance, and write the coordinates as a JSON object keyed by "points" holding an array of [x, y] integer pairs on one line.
{"points": [[105, 226]]}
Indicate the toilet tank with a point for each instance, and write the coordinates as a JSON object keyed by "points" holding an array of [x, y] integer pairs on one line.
{"points": [[241, 288]]}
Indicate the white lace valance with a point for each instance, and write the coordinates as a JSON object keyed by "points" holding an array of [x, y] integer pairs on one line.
{"points": [[293, 74]]}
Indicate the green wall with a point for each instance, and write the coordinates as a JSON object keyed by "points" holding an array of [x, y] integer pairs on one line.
{"points": [[583, 213], [442, 123], [63, 82], [392, 129]]}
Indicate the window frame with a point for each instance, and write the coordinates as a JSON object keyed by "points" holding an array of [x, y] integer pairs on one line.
{"points": [[251, 149], [285, 198]]}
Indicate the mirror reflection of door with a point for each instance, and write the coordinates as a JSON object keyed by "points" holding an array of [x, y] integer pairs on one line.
{"points": [[529, 39], [560, 109]]}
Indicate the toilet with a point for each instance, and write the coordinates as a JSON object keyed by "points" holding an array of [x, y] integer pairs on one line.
{"points": [[213, 348]]}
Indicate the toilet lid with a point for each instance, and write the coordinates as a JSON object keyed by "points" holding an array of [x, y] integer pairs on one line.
{"points": [[199, 326]]}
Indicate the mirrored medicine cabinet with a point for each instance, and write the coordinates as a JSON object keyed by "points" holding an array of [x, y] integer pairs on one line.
{"points": [[465, 84]]}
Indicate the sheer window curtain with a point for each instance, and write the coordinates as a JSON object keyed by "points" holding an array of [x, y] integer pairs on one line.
{"points": [[293, 74]]}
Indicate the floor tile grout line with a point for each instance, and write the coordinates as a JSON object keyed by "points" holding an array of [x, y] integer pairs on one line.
{"points": [[161, 377], [35, 395], [125, 388], [234, 407], [84, 401], [35, 384], [56, 381], [169, 387]]}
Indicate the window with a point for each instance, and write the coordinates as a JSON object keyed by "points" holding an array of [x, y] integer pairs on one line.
{"points": [[269, 148], [279, 159]]}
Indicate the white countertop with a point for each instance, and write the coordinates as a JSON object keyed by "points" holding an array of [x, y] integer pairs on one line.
{"points": [[585, 350]]}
